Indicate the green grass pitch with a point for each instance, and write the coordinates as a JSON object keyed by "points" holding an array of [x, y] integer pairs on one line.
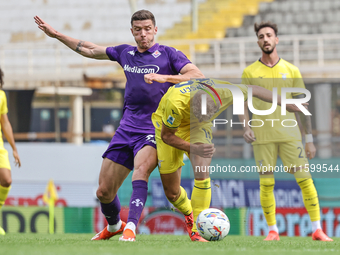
{"points": [[45, 244]]}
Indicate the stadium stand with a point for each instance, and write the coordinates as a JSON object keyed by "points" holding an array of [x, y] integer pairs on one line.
{"points": [[294, 17], [214, 17], [26, 53], [229, 44]]}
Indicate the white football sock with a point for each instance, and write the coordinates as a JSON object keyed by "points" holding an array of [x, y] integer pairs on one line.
{"points": [[316, 225], [114, 228], [273, 228], [131, 226]]}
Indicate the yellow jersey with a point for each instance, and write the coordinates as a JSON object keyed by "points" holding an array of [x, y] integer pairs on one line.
{"points": [[3, 110], [174, 108], [283, 74]]}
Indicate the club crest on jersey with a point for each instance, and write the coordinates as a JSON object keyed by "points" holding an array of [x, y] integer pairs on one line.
{"points": [[170, 120], [284, 76], [159, 163], [260, 162], [156, 54], [150, 138], [131, 52]]}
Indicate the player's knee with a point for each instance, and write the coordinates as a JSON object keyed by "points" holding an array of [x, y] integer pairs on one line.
{"points": [[6, 182], [104, 194], [171, 195]]}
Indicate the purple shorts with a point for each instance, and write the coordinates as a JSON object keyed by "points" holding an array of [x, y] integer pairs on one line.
{"points": [[125, 145]]}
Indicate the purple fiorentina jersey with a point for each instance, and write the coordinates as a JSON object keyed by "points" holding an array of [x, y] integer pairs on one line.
{"points": [[141, 99]]}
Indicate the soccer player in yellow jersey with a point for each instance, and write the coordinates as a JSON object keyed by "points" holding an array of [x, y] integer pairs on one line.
{"points": [[5, 168], [274, 138], [182, 128]]}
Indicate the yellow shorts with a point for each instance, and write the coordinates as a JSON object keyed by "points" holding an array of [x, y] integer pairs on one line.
{"points": [[291, 153], [170, 158], [4, 161]]}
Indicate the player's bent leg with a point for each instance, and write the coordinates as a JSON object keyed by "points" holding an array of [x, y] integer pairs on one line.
{"points": [[111, 178], [145, 162], [201, 193], [177, 196]]}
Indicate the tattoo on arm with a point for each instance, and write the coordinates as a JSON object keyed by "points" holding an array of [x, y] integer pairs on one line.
{"points": [[79, 46], [306, 121]]}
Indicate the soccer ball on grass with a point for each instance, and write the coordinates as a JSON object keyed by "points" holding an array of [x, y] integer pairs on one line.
{"points": [[212, 224]]}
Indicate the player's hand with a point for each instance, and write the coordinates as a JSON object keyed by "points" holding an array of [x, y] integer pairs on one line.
{"points": [[310, 150], [294, 108], [249, 136], [16, 158], [46, 28], [151, 77], [203, 150]]}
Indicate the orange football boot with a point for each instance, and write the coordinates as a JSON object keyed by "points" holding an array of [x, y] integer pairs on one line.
{"points": [[106, 235], [195, 236], [189, 223], [319, 235], [128, 236], [272, 236]]}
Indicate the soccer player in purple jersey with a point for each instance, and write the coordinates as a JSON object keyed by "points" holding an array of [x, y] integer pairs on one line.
{"points": [[150, 69]]}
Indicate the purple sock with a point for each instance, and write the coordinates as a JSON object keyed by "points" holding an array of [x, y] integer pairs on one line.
{"points": [[137, 201], [111, 211]]}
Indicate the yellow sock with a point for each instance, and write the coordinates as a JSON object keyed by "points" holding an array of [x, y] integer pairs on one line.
{"points": [[267, 199], [310, 197], [3, 194], [183, 203], [200, 198]]}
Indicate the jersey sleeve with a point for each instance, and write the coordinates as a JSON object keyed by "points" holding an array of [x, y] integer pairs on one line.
{"points": [[3, 106], [172, 117], [245, 78], [114, 52], [177, 59]]}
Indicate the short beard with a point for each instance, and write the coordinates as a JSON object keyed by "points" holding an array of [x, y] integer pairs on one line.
{"points": [[268, 51]]}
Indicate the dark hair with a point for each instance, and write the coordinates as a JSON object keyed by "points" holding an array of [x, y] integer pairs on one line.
{"points": [[1, 78], [143, 15], [258, 27]]}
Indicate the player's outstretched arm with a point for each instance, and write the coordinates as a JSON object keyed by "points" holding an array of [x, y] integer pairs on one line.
{"points": [[203, 150], [86, 49], [8, 132], [267, 96], [188, 72]]}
